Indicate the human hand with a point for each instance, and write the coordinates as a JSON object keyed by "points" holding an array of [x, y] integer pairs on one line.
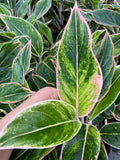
{"points": [[43, 94]]}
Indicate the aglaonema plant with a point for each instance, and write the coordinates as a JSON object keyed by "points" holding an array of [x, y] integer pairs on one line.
{"points": [[87, 80]]}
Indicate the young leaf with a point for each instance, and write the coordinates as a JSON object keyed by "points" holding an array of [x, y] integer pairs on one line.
{"points": [[41, 125], [111, 134], [21, 27], [12, 92], [96, 41], [103, 153], [106, 17], [21, 64], [95, 36], [79, 77], [85, 145], [109, 99], [45, 30], [106, 61], [41, 8]]}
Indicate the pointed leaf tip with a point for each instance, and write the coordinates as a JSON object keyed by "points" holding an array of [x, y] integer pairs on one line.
{"points": [[78, 65]]}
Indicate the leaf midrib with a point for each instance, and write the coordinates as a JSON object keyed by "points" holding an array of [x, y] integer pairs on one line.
{"points": [[40, 129]]}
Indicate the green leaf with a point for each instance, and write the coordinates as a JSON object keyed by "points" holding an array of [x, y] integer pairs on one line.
{"points": [[6, 36], [21, 27], [84, 146], [108, 100], [45, 30], [42, 125], [103, 153], [116, 74], [96, 36], [33, 154], [110, 133], [52, 155], [106, 17], [4, 9], [8, 52], [41, 82], [12, 92], [21, 8], [48, 74], [79, 77], [106, 61], [116, 113], [96, 41], [116, 41], [93, 3], [42, 6], [118, 2], [4, 109], [21, 64]]}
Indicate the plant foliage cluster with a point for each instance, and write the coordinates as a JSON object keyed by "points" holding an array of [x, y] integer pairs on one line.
{"points": [[74, 47]]}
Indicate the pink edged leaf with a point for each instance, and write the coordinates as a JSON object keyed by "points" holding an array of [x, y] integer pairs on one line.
{"points": [[107, 63], [116, 42], [106, 17], [13, 92], [41, 7], [103, 153], [109, 98], [79, 76], [41, 125], [117, 1], [21, 64], [84, 146], [34, 154]]}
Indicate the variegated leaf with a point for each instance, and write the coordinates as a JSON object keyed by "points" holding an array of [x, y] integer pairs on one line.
{"points": [[79, 76]]}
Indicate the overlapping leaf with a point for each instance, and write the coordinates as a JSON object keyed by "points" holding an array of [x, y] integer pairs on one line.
{"points": [[6, 36], [96, 41], [4, 9], [42, 125], [106, 17], [110, 133], [109, 99], [34, 154], [8, 52], [106, 61], [41, 8], [21, 27], [46, 72], [103, 153], [85, 145], [116, 41], [45, 30], [21, 8], [79, 77], [41, 82], [21, 64], [12, 92]]}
